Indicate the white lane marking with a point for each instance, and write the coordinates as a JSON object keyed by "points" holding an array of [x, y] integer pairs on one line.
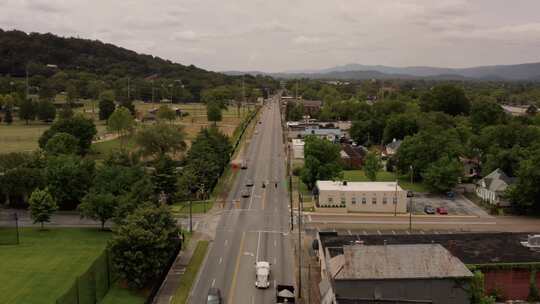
{"points": [[220, 260], [226, 242], [213, 282], [349, 232], [407, 232], [274, 283], [258, 245], [275, 243], [251, 197], [393, 232]]}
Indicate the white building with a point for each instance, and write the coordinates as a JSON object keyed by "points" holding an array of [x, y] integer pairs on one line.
{"points": [[298, 148], [374, 197], [492, 188]]}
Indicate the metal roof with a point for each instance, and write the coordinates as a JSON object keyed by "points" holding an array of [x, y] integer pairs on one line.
{"points": [[419, 261]]}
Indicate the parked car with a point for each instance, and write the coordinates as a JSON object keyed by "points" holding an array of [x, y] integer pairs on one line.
{"points": [[244, 193], [214, 296], [262, 274], [249, 183], [442, 211], [429, 210]]}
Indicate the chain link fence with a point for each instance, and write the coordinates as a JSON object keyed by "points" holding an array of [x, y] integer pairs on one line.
{"points": [[92, 286], [9, 228]]}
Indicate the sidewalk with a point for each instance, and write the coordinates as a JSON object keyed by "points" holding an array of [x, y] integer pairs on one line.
{"points": [[172, 281]]}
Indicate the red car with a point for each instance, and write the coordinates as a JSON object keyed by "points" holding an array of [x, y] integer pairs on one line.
{"points": [[442, 211]]}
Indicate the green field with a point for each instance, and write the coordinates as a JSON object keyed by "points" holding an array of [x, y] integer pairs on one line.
{"points": [[119, 295], [46, 263]]}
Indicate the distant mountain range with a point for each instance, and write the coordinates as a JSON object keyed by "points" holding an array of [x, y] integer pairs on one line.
{"points": [[527, 71]]}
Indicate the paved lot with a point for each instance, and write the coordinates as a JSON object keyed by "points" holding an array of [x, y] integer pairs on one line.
{"points": [[460, 205]]}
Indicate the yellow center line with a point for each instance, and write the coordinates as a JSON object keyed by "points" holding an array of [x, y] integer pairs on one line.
{"points": [[233, 285]]}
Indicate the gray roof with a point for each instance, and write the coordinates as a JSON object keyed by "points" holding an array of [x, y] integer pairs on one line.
{"points": [[497, 181], [363, 262], [394, 145]]}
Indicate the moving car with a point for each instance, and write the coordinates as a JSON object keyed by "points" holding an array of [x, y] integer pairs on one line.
{"points": [[243, 165], [244, 193], [429, 210], [214, 296], [442, 211], [249, 183], [284, 294], [262, 274]]}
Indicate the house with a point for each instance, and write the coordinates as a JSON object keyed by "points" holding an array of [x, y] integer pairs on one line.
{"points": [[520, 110], [471, 167], [311, 106], [507, 264], [368, 197], [298, 148], [392, 273], [492, 187], [355, 155], [392, 148]]}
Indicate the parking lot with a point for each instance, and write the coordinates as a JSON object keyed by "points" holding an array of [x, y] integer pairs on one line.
{"points": [[459, 205]]}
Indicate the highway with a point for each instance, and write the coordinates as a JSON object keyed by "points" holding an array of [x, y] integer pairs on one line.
{"points": [[256, 229]]}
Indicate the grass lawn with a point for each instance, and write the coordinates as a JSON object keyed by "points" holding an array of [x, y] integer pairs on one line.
{"points": [[180, 209], [119, 295], [46, 263], [19, 137], [191, 273], [384, 176]]}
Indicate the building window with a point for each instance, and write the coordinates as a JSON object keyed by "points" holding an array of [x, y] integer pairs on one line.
{"points": [[374, 200], [353, 200], [364, 201], [394, 200], [384, 201]]}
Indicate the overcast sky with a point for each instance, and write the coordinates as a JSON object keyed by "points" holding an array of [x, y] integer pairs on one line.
{"points": [[280, 35]]}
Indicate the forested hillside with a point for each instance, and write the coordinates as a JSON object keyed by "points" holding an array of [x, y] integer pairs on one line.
{"points": [[54, 63]]}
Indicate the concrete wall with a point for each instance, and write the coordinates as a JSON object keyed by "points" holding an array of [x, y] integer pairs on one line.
{"points": [[354, 200], [440, 291]]}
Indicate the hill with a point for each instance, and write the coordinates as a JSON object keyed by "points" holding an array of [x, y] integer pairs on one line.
{"points": [[85, 60]]}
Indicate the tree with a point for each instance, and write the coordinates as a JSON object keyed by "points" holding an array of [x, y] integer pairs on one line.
{"points": [[79, 126], [160, 139], [400, 125], [72, 93], [213, 111], [121, 122], [128, 105], [142, 244], [27, 110], [486, 113], [106, 104], [66, 112], [322, 161], [8, 117], [525, 193], [166, 113], [42, 206], [443, 175], [98, 206], [46, 111], [446, 98], [62, 143], [69, 178], [372, 165]]}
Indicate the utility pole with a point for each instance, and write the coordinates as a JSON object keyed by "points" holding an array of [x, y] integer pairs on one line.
{"points": [[128, 96], [190, 217], [300, 204], [410, 214], [152, 90]]}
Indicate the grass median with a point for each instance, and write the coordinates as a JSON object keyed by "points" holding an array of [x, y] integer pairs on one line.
{"points": [[188, 278]]}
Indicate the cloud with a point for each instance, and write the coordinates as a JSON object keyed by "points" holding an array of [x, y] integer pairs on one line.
{"points": [[187, 35], [46, 6], [307, 40]]}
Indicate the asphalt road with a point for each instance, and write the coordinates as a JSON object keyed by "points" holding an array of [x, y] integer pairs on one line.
{"points": [[257, 229]]}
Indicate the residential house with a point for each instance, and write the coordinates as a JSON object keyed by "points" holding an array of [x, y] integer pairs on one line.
{"points": [[392, 273], [492, 187], [366, 197], [392, 148], [355, 155]]}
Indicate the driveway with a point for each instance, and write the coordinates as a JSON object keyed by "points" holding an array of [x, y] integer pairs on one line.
{"points": [[459, 205]]}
